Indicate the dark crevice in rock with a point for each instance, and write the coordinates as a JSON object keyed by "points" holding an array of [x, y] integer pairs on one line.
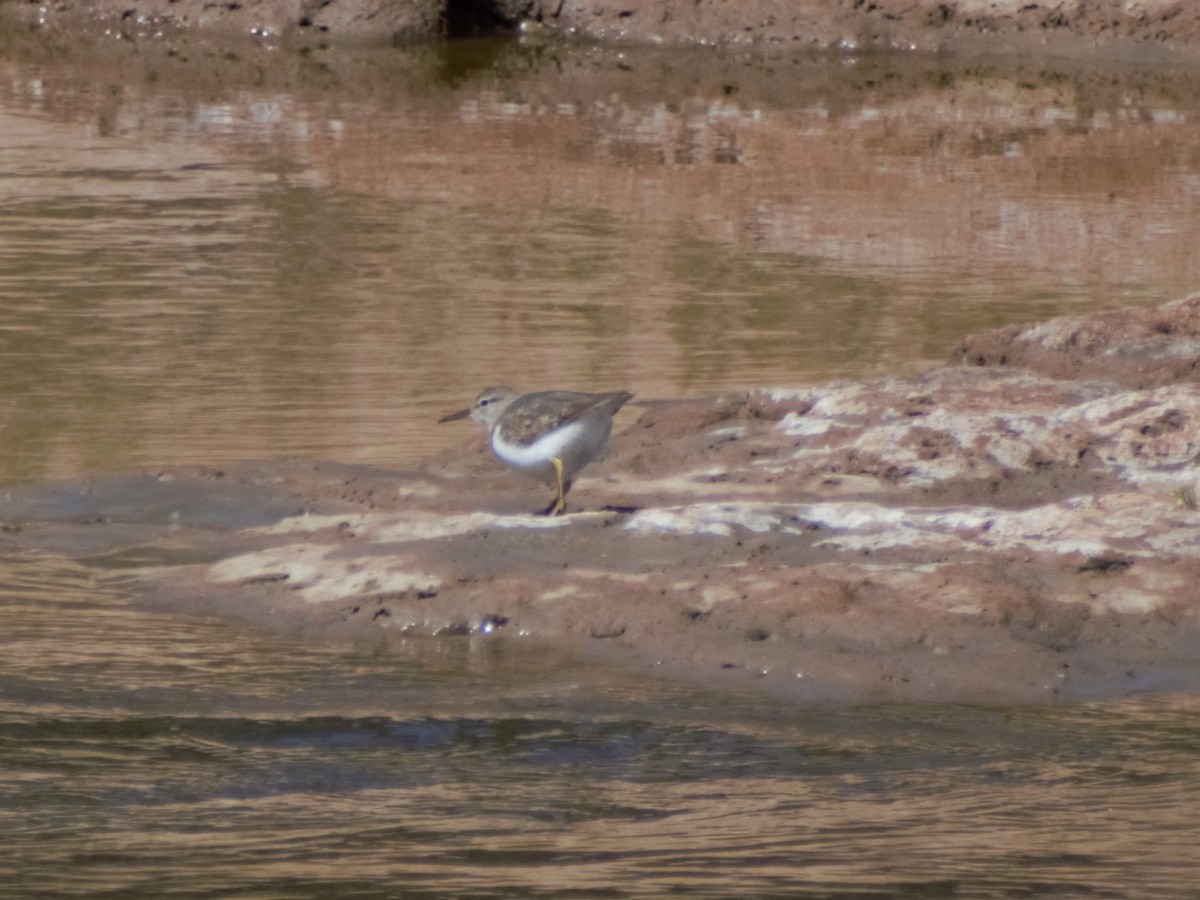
{"points": [[483, 18]]}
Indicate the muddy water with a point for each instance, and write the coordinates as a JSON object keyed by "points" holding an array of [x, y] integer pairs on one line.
{"points": [[209, 255], [149, 756]]}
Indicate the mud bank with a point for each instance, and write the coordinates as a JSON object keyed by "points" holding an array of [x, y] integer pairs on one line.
{"points": [[974, 532], [907, 24]]}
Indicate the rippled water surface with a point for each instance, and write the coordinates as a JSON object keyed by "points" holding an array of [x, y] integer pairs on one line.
{"points": [[210, 256], [148, 755]]}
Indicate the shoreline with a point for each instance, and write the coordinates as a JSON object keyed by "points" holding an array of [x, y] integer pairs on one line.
{"points": [[1016, 525], [971, 533]]}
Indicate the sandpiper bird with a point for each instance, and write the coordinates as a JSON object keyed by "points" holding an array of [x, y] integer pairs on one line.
{"points": [[549, 435]]}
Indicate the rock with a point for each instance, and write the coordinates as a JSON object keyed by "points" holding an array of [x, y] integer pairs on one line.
{"points": [[1124, 346], [977, 531], [905, 24]]}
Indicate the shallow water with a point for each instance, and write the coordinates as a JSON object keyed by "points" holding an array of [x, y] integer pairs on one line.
{"points": [[149, 755], [254, 256], [206, 258]]}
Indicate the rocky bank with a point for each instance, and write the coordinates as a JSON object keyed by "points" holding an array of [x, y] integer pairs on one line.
{"points": [[847, 24], [1020, 524]]}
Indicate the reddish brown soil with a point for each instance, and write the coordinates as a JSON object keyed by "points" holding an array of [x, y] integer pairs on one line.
{"points": [[973, 532]]}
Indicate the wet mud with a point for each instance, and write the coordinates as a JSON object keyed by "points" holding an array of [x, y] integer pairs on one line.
{"points": [[976, 531]]}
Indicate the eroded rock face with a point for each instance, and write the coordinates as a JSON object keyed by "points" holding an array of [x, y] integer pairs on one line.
{"points": [[907, 24], [976, 531], [1128, 347], [269, 20], [880, 23]]}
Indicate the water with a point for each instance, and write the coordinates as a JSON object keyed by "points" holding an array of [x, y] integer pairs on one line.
{"points": [[146, 755], [207, 258]]}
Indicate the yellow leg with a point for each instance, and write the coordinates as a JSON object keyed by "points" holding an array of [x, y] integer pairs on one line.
{"points": [[560, 498]]}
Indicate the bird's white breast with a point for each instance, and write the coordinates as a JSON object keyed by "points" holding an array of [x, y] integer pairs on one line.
{"points": [[534, 458]]}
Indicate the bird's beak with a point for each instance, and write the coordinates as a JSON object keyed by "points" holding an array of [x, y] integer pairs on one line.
{"points": [[455, 416]]}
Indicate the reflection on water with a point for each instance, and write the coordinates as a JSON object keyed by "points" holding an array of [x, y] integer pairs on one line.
{"points": [[211, 263], [147, 755], [319, 257]]}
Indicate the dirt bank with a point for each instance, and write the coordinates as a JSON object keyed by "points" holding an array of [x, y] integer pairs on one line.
{"points": [[924, 24], [972, 532]]}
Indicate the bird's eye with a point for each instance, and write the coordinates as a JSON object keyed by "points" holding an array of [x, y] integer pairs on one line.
{"points": [[484, 402]]}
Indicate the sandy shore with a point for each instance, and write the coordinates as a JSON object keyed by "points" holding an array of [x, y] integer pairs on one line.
{"points": [[976, 531]]}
